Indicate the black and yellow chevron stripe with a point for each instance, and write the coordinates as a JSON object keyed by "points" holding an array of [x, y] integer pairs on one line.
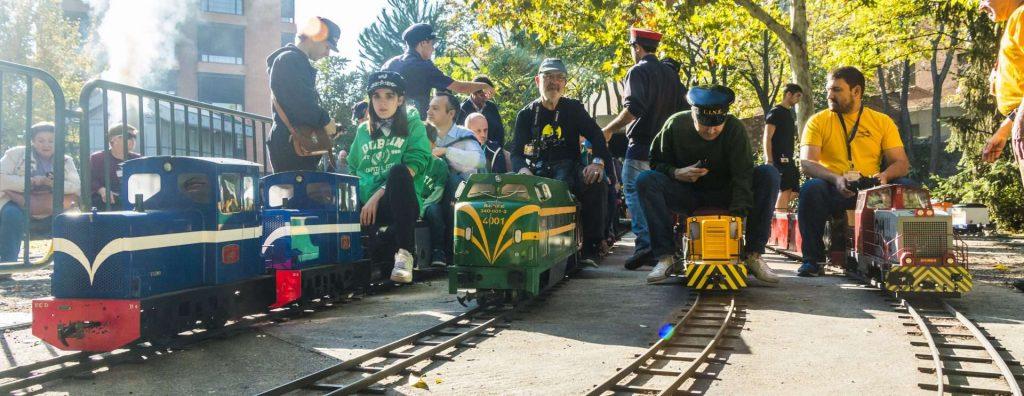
{"points": [[951, 278], [716, 276]]}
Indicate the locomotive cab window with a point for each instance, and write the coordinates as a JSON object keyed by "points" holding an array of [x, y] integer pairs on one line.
{"points": [[195, 186], [515, 191], [146, 184], [481, 189], [543, 191], [320, 193], [348, 201], [278, 193], [879, 200], [236, 193], [915, 199]]}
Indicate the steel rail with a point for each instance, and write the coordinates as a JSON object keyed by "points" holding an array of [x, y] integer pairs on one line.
{"points": [[652, 353], [997, 359], [936, 356]]}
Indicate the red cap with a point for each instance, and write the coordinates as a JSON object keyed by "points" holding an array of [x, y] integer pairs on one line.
{"points": [[644, 35]]}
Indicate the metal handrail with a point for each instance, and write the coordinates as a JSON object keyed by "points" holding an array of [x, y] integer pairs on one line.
{"points": [[188, 106], [32, 74]]}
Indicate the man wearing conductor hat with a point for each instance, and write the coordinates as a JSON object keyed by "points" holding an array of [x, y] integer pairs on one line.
{"points": [[421, 74], [652, 95], [702, 158]]}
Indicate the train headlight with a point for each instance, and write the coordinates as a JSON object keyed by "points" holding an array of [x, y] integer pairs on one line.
{"points": [[931, 212], [949, 260], [469, 233], [908, 260], [919, 212], [518, 235]]}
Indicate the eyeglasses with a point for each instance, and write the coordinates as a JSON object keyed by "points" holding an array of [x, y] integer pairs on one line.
{"points": [[555, 76]]}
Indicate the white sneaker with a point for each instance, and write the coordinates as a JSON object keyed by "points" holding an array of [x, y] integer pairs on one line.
{"points": [[660, 271], [760, 269], [403, 267]]}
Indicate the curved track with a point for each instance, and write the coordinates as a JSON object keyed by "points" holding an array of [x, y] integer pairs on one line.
{"points": [[964, 360], [676, 357]]}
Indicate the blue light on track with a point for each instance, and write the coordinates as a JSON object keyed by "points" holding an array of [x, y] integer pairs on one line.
{"points": [[666, 331]]}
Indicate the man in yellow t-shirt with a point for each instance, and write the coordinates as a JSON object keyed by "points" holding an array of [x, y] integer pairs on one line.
{"points": [[840, 145], [1008, 85]]}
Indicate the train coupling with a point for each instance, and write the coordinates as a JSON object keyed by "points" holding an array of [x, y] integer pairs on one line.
{"points": [[74, 330]]}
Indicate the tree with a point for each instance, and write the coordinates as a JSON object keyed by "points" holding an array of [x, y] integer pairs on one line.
{"points": [[35, 33], [340, 89], [383, 40]]}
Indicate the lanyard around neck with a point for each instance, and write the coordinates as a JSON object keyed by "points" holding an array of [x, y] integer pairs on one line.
{"points": [[850, 136]]}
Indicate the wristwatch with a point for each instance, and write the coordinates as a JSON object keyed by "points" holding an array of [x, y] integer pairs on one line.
{"points": [[598, 161]]}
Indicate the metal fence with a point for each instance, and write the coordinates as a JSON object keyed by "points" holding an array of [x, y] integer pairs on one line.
{"points": [[166, 125], [19, 83]]}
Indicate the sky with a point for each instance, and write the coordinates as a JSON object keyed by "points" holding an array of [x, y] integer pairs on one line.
{"points": [[351, 15]]}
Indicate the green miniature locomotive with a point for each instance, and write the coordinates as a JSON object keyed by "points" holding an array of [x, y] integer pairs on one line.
{"points": [[515, 235]]}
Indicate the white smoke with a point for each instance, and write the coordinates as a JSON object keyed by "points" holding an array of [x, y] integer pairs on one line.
{"points": [[137, 37]]}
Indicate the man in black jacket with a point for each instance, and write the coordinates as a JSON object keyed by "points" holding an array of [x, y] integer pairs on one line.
{"points": [[293, 86], [546, 142], [479, 102]]}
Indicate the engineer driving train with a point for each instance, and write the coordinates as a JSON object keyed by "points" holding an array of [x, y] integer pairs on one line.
{"points": [[832, 156], [701, 158], [546, 143]]}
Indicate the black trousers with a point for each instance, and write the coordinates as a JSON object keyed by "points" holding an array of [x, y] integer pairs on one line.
{"points": [[283, 157], [398, 210], [593, 199]]}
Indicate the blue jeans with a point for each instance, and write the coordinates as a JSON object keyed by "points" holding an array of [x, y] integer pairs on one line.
{"points": [[819, 200], [12, 230], [631, 170], [661, 195]]}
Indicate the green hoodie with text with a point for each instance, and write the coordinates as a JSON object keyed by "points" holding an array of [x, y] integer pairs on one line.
{"points": [[371, 159]]}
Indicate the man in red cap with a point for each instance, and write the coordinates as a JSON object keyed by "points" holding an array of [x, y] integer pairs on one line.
{"points": [[652, 95]]}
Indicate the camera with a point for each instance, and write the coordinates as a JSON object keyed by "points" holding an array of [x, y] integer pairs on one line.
{"points": [[534, 153], [863, 183]]}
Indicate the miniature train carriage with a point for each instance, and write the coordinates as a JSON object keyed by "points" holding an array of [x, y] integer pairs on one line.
{"points": [[713, 244], [311, 233], [515, 235], [191, 224], [971, 219], [902, 243]]}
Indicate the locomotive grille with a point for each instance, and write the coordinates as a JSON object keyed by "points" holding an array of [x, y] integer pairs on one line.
{"points": [[926, 238], [714, 241]]}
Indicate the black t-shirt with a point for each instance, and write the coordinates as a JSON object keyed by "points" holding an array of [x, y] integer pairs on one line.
{"points": [[535, 121], [785, 131]]}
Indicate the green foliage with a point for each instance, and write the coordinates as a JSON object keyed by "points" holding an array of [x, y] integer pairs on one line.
{"points": [[35, 33], [340, 89], [383, 40], [995, 185]]}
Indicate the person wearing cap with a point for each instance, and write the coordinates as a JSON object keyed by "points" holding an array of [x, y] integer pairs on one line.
{"points": [[839, 145], [359, 116], [105, 164], [676, 67], [293, 89], [702, 158], [498, 159], [420, 73], [652, 95], [778, 138], [478, 102], [546, 142], [390, 155]]}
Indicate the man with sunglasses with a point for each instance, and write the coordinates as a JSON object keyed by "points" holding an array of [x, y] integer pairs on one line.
{"points": [[702, 158], [546, 142], [420, 73]]}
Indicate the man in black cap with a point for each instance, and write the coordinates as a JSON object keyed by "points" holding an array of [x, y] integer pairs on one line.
{"points": [[421, 74], [479, 102], [546, 142], [703, 158], [293, 89], [651, 95]]}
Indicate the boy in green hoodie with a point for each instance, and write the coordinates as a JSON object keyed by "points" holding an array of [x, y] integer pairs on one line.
{"points": [[390, 155]]}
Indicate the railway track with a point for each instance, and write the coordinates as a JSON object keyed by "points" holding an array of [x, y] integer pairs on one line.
{"points": [[365, 373], [677, 357], [964, 359], [28, 378]]}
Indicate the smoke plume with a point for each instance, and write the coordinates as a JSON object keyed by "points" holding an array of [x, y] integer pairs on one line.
{"points": [[137, 37]]}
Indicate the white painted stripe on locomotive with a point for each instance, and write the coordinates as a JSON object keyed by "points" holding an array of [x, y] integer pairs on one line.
{"points": [[315, 229], [151, 242]]}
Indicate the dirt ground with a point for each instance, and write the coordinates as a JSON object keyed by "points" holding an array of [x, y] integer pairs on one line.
{"points": [[998, 259]]}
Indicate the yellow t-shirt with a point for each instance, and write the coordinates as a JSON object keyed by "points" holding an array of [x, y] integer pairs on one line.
{"points": [[1009, 83], [876, 132]]}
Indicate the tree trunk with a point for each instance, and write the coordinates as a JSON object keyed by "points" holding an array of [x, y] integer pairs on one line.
{"points": [[938, 78], [795, 41], [884, 88], [904, 124]]}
